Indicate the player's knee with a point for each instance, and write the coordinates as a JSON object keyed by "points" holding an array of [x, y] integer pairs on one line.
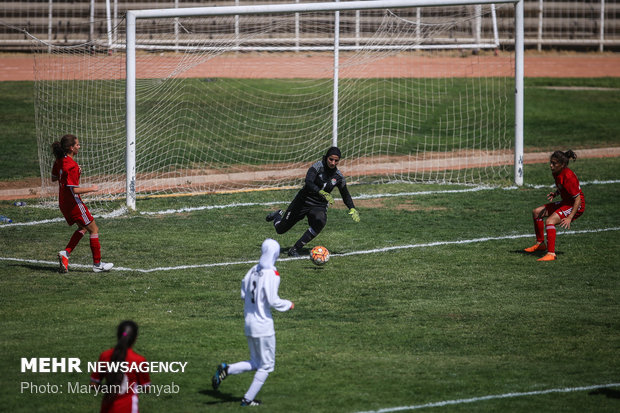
{"points": [[266, 368], [317, 222]]}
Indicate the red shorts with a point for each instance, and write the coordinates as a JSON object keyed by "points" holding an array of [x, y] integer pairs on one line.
{"points": [[563, 210], [77, 213]]}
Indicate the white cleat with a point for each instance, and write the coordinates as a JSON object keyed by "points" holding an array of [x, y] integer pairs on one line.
{"points": [[102, 266]]}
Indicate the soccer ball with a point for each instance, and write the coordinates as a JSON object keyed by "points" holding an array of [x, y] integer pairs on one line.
{"points": [[319, 255]]}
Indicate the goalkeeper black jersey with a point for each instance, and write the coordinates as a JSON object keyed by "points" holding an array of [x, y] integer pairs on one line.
{"points": [[319, 177]]}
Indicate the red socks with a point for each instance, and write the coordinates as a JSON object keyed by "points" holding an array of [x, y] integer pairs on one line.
{"points": [[75, 239], [539, 230], [95, 247], [550, 238]]}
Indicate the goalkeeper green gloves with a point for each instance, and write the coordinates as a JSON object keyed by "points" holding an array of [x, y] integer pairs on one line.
{"points": [[327, 196], [354, 214]]}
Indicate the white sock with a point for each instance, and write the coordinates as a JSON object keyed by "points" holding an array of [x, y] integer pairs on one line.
{"points": [[257, 383], [240, 367]]}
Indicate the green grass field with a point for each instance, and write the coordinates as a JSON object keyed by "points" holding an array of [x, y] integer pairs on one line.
{"points": [[456, 313], [553, 119]]}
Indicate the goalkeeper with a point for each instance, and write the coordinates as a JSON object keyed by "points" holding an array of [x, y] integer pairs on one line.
{"points": [[313, 200]]}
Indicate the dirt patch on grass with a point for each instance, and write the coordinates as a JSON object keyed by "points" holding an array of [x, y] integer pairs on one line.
{"points": [[402, 204], [31, 188]]}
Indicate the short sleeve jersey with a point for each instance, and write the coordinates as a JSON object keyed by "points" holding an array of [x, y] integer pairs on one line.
{"points": [[68, 173], [131, 379], [569, 187]]}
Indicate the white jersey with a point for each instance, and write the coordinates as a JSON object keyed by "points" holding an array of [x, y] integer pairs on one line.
{"points": [[259, 289]]}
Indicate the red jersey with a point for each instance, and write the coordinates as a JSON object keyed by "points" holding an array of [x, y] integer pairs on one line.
{"points": [[68, 172], [569, 188], [126, 400]]}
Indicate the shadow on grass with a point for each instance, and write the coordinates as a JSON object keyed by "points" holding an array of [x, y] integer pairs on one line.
{"points": [[38, 267], [302, 252], [537, 254], [222, 397], [610, 393]]}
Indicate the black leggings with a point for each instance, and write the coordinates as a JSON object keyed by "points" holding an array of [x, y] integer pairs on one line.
{"points": [[317, 217]]}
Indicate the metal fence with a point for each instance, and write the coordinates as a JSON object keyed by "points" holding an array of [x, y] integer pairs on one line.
{"points": [[549, 24]]}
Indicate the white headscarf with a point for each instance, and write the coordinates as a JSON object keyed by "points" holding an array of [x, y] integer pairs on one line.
{"points": [[269, 254]]}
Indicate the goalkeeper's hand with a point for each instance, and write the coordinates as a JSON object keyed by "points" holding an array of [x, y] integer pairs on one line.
{"points": [[355, 216], [327, 196]]}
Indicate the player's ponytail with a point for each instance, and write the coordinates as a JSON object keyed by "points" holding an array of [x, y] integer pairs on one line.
{"points": [[564, 157], [570, 155], [126, 333], [62, 147]]}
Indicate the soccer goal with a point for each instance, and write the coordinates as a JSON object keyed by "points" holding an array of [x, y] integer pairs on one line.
{"points": [[199, 100]]}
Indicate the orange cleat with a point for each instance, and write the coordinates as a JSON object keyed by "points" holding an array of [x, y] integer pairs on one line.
{"points": [[539, 246], [550, 256], [63, 260]]}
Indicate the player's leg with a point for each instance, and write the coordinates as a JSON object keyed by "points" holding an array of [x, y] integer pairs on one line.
{"points": [[264, 358], [95, 248], [538, 215], [75, 239], [552, 221], [561, 212], [317, 218], [294, 213], [63, 256], [224, 370]]}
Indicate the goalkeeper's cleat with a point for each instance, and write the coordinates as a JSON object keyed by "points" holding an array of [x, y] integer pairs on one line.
{"points": [[550, 256], [271, 216], [102, 266], [292, 252], [246, 402], [63, 260], [219, 376], [539, 246]]}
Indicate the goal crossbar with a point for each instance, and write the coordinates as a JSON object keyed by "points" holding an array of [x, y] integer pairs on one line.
{"points": [[133, 15]]}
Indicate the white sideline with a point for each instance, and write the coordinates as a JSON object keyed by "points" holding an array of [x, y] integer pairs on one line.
{"points": [[346, 254], [491, 397]]}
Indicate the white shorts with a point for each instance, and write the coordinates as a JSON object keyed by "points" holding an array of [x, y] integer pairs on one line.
{"points": [[262, 353]]}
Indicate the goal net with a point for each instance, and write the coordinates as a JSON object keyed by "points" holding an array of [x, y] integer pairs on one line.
{"points": [[248, 101]]}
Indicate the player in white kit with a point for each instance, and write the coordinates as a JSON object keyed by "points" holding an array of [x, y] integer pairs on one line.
{"points": [[259, 290]]}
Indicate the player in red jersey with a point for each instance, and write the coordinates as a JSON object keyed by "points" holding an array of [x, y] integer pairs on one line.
{"points": [[67, 172], [120, 390], [563, 212]]}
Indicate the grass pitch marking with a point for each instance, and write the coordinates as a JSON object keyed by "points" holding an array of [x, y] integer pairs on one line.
{"points": [[491, 397], [346, 254]]}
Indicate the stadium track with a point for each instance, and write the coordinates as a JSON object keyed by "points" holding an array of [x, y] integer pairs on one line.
{"points": [[21, 66]]}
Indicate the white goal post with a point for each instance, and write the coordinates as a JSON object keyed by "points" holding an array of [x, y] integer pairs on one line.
{"points": [[336, 7]]}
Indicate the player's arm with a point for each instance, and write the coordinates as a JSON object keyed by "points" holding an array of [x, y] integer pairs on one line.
{"points": [[271, 292], [84, 190], [565, 222], [553, 194], [245, 283], [346, 196], [73, 181], [310, 178], [348, 201], [96, 376], [55, 172]]}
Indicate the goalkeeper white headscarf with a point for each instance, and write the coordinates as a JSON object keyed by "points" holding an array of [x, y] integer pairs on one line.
{"points": [[269, 254]]}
